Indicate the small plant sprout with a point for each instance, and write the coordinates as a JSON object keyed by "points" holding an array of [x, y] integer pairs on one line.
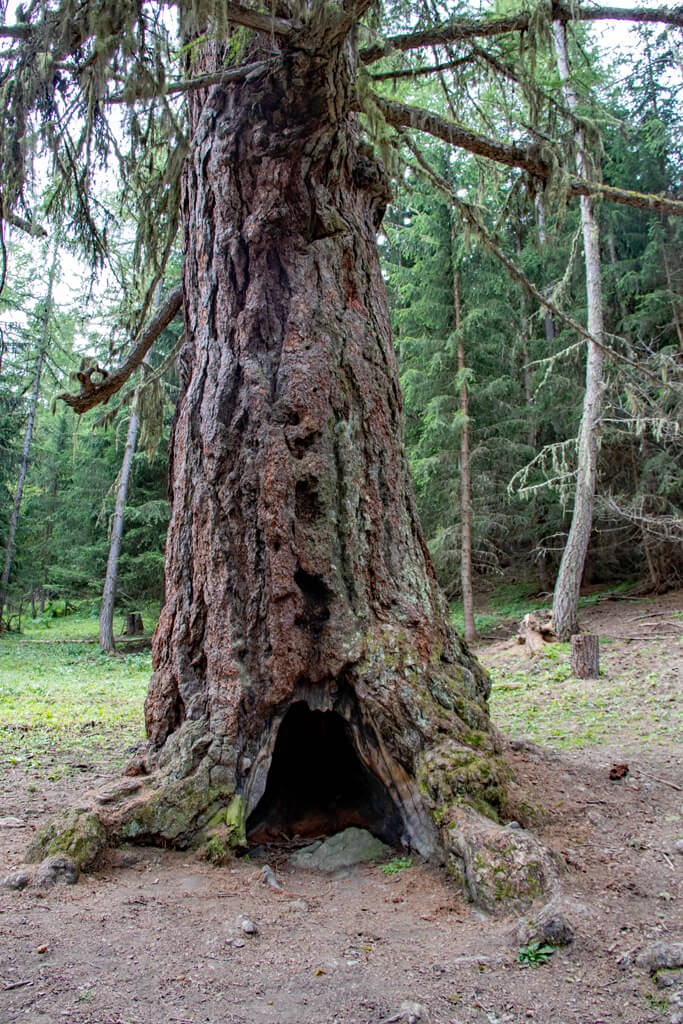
{"points": [[535, 954], [396, 865]]}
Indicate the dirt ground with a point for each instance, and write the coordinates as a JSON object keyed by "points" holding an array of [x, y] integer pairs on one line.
{"points": [[156, 937]]}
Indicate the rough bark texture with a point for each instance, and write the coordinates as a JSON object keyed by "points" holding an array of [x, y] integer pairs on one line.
{"points": [[585, 656], [297, 575], [296, 568]]}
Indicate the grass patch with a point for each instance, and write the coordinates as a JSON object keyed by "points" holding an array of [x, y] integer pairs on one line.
{"points": [[397, 864], [544, 702], [508, 603], [83, 624], [63, 703]]}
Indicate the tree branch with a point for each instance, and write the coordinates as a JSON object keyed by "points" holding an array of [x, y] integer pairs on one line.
{"points": [[15, 221], [623, 196], [470, 215], [460, 29], [402, 116], [260, 21], [93, 394], [426, 69], [526, 158], [15, 31], [191, 84]]}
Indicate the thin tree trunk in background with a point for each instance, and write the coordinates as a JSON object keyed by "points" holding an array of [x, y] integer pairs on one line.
{"points": [[676, 304], [28, 437], [548, 322], [109, 592], [465, 480], [568, 583]]}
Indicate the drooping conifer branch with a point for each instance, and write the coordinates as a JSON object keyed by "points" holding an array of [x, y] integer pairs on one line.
{"points": [[461, 29], [528, 159], [400, 115], [95, 393], [471, 217]]}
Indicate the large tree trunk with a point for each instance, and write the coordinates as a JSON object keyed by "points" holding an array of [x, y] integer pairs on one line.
{"points": [[568, 583], [110, 576], [305, 676]]}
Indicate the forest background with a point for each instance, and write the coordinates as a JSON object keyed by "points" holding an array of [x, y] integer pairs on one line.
{"points": [[493, 381]]}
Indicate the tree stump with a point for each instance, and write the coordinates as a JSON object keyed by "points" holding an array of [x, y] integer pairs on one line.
{"points": [[585, 656], [134, 625]]}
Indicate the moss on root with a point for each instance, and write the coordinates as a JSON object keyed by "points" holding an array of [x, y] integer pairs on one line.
{"points": [[78, 833], [226, 832], [175, 814], [453, 775]]}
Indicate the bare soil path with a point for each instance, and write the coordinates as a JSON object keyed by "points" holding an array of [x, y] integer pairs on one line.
{"points": [[155, 937]]}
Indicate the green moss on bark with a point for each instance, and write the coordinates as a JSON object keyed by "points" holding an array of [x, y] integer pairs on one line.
{"points": [[78, 833], [176, 813]]}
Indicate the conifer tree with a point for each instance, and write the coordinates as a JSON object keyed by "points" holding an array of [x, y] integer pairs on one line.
{"points": [[298, 583]]}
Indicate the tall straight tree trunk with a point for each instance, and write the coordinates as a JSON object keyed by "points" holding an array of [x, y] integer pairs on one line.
{"points": [[465, 477], [568, 583], [306, 675], [548, 322], [28, 435], [109, 591]]}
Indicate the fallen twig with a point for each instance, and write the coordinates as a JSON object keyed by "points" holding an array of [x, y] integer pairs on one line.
{"points": [[16, 984], [664, 782], [650, 615], [617, 636]]}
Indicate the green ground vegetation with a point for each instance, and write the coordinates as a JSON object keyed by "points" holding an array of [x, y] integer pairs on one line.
{"points": [[63, 704], [65, 707]]}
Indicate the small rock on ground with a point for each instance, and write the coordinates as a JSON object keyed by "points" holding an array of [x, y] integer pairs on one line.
{"points": [[58, 868], [661, 956], [17, 879], [550, 925], [352, 846]]}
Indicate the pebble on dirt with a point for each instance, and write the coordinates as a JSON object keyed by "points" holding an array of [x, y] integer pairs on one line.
{"points": [[53, 870], [16, 879], [661, 956], [550, 925]]}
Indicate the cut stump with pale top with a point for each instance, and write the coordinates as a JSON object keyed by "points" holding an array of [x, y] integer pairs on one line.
{"points": [[585, 656]]}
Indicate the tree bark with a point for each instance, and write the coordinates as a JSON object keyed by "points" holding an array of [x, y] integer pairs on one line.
{"points": [[585, 656], [548, 322], [296, 568], [110, 576], [28, 436], [301, 602], [568, 583]]}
